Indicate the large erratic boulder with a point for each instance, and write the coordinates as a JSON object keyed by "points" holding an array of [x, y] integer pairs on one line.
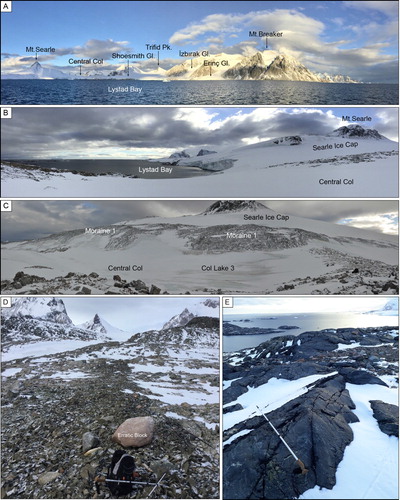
{"points": [[135, 432]]}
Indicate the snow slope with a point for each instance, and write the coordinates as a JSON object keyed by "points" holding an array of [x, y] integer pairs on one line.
{"points": [[314, 166]]}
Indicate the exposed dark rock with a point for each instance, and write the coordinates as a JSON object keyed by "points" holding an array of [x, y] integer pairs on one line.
{"points": [[89, 441], [204, 152], [360, 377], [154, 290], [204, 322], [315, 425], [229, 329], [356, 131], [387, 416], [232, 408]]}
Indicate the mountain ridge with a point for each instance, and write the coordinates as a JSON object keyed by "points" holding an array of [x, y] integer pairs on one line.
{"points": [[262, 65]]}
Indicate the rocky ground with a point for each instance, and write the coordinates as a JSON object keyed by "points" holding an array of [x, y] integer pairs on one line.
{"points": [[76, 284], [355, 275], [50, 402], [341, 160], [314, 418]]}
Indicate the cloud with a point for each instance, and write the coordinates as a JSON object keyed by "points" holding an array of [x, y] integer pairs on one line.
{"points": [[306, 39], [214, 23], [157, 132], [98, 48], [38, 219], [389, 8], [20, 62], [384, 223], [93, 48], [127, 132], [378, 216], [387, 123]]}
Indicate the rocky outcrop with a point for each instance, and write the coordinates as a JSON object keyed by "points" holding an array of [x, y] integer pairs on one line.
{"points": [[79, 284], [316, 426], [284, 67], [181, 154], [251, 68], [314, 422], [228, 206], [18, 329], [356, 131], [387, 416], [180, 319], [214, 166], [89, 441], [204, 152]]}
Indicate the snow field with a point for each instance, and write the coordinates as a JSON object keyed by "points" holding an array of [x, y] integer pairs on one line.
{"points": [[251, 175]]}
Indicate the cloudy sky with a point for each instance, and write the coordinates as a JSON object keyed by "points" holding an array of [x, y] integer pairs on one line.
{"points": [[132, 314], [36, 219], [355, 38], [285, 305], [154, 132]]}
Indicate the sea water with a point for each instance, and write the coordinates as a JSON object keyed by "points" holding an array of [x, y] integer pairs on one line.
{"points": [[213, 93], [305, 322], [140, 168]]}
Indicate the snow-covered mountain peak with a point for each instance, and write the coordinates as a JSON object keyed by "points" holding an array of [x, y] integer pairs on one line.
{"points": [[391, 305], [36, 66], [181, 319], [391, 308], [94, 325], [355, 130], [207, 307], [204, 152], [180, 154], [104, 329], [45, 308], [228, 206]]}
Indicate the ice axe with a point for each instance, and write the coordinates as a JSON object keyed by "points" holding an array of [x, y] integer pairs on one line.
{"points": [[302, 467]]}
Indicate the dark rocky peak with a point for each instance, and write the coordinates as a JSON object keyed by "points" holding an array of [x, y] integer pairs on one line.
{"points": [[204, 152], [233, 206], [180, 154], [282, 63], [292, 140], [96, 319], [181, 319], [356, 131], [41, 308]]}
